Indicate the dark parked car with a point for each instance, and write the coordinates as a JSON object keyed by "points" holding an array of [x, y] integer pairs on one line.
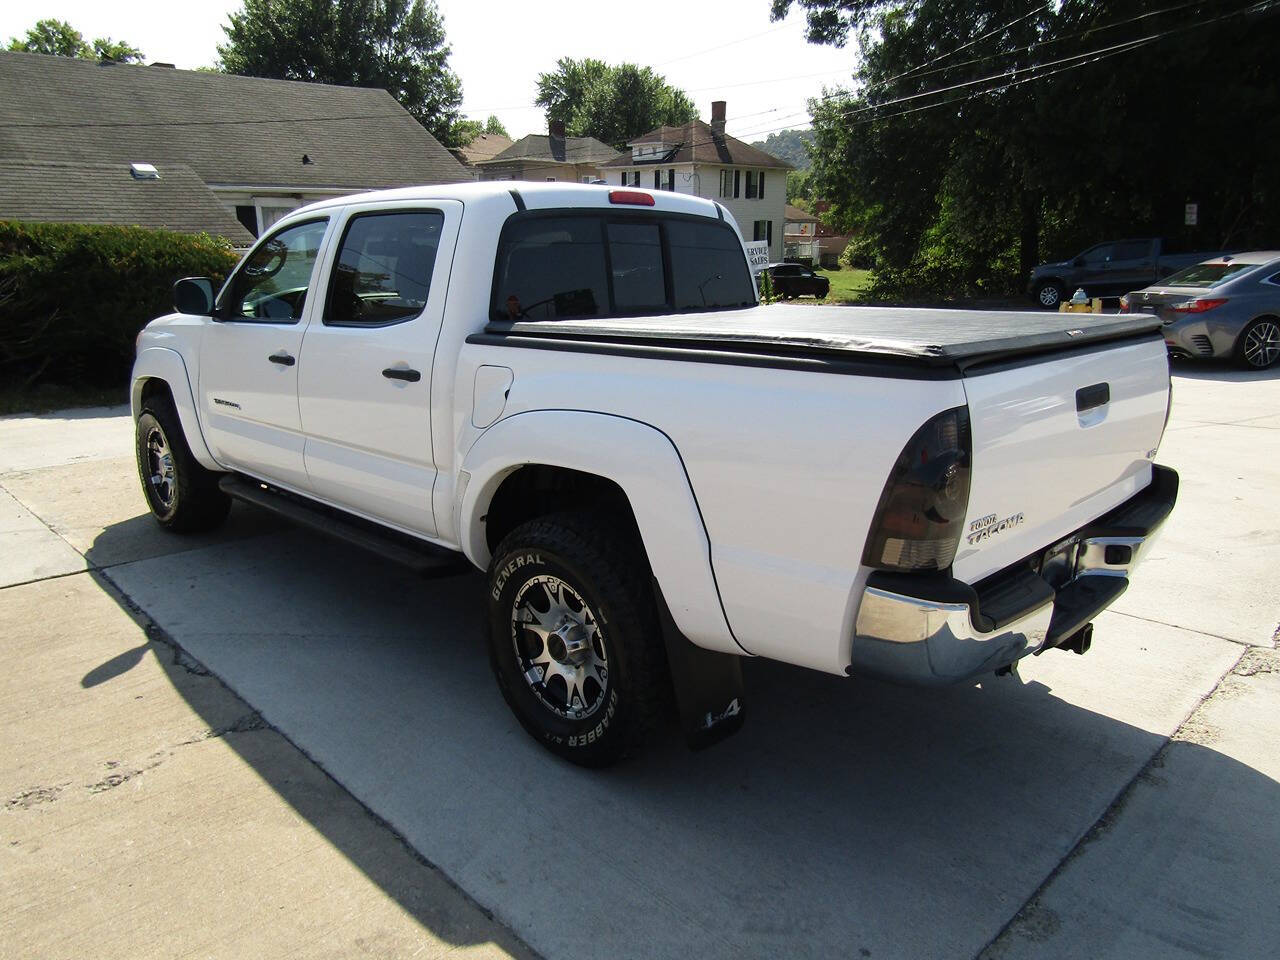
{"points": [[793, 280], [1227, 307], [1108, 270]]}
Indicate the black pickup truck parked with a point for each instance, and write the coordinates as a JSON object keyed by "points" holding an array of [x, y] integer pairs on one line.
{"points": [[1108, 270]]}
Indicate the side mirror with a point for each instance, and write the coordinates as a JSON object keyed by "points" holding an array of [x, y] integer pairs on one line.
{"points": [[194, 295]]}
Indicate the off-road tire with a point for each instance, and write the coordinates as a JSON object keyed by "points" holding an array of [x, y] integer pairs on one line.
{"points": [[190, 501], [605, 566]]}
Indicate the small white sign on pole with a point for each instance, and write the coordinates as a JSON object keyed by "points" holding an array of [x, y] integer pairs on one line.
{"points": [[1192, 214], [757, 254]]}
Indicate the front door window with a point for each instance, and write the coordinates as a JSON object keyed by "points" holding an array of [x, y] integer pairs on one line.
{"points": [[271, 285]]}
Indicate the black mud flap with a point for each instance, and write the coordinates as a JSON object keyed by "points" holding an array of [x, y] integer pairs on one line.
{"points": [[708, 685]]}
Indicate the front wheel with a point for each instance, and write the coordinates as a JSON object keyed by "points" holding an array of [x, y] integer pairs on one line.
{"points": [[1259, 345], [183, 496], [574, 639]]}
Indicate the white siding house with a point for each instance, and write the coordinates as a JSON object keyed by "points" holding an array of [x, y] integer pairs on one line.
{"points": [[701, 159]]}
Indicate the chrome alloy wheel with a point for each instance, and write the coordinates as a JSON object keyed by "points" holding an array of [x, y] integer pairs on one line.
{"points": [[1049, 296], [559, 647], [160, 472], [1262, 344]]}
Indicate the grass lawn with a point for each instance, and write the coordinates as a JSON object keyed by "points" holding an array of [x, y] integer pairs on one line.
{"points": [[846, 285]]}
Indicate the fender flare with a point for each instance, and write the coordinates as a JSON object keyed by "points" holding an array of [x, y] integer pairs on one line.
{"points": [[645, 463], [161, 363]]}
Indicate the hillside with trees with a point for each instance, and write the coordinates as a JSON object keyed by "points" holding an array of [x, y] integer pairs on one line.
{"points": [[789, 145]]}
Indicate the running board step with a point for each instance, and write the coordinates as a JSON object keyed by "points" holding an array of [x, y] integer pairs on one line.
{"points": [[422, 558]]}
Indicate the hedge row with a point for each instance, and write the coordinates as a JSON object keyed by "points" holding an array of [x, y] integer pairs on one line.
{"points": [[73, 297]]}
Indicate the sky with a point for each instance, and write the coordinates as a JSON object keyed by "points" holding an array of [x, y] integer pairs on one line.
{"points": [[712, 49]]}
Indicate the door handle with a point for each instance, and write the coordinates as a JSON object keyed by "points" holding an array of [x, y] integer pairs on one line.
{"points": [[1097, 395], [282, 358], [402, 373]]}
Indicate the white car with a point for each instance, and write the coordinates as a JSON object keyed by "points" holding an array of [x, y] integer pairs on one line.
{"points": [[574, 389]]}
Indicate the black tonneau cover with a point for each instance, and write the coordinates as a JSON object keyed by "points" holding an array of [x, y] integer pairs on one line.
{"points": [[935, 338]]}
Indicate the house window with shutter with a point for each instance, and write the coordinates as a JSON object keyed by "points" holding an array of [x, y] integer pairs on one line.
{"points": [[737, 183], [751, 184], [671, 179], [760, 185]]}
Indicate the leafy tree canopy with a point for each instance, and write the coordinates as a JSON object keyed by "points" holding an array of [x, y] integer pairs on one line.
{"points": [[398, 45], [612, 104], [971, 147], [59, 39], [494, 126]]}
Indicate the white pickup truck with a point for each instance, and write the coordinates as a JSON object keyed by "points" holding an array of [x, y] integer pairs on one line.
{"points": [[574, 388]]}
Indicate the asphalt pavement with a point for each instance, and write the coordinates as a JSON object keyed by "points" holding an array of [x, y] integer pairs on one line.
{"points": [[1119, 804]]}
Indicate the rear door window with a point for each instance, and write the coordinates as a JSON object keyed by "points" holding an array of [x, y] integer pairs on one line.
{"points": [[1132, 250], [383, 271]]}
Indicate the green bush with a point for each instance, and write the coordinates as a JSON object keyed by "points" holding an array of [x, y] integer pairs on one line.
{"points": [[73, 297]]}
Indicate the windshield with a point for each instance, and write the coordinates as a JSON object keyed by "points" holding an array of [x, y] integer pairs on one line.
{"points": [[1206, 274]]}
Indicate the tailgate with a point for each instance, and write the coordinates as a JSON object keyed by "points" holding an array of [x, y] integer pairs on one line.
{"points": [[1056, 444]]}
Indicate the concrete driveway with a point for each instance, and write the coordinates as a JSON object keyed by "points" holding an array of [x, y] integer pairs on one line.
{"points": [[1120, 804]]}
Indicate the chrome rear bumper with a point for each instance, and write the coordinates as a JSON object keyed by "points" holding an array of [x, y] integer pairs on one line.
{"points": [[932, 630]]}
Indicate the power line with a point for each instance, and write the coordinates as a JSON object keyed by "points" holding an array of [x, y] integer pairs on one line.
{"points": [[998, 81], [970, 43], [721, 46]]}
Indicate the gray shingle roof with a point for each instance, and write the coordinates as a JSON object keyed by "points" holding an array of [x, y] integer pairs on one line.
{"points": [[107, 193], [229, 129], [485, 146], [556, 150], [697, 142]]}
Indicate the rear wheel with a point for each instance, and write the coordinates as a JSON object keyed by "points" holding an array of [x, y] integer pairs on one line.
{"points": [[1259, 345], [574, 639], [183, 496], [1049, 294]]}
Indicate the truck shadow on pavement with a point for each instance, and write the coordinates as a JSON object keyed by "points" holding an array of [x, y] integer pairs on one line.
{"points": [[848, 818]]}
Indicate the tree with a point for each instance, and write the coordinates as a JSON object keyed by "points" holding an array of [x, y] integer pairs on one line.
{"points": [[969, 143], [494, 126], [612, 104], [398, 45], [59, 39]]}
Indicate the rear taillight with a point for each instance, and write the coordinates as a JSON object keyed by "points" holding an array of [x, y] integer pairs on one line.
{"points": [[1124, 303], [635, 197], [920, 517], [1198, 305]]}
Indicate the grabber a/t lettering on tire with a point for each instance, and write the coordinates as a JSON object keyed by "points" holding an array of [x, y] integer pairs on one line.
{"points": [[574, 637], [183, 496]]}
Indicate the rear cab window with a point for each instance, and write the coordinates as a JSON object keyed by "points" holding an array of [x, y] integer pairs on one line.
{"points": [[606, 263]]}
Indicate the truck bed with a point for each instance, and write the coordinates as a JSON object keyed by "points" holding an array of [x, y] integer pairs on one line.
{"points": [[916, 336]]}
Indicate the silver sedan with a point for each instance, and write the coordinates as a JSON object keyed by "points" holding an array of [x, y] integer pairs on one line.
{"points": [[1227, 307]]}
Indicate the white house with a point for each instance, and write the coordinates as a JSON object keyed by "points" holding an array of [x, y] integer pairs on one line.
{"points": [[701, 159]]}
